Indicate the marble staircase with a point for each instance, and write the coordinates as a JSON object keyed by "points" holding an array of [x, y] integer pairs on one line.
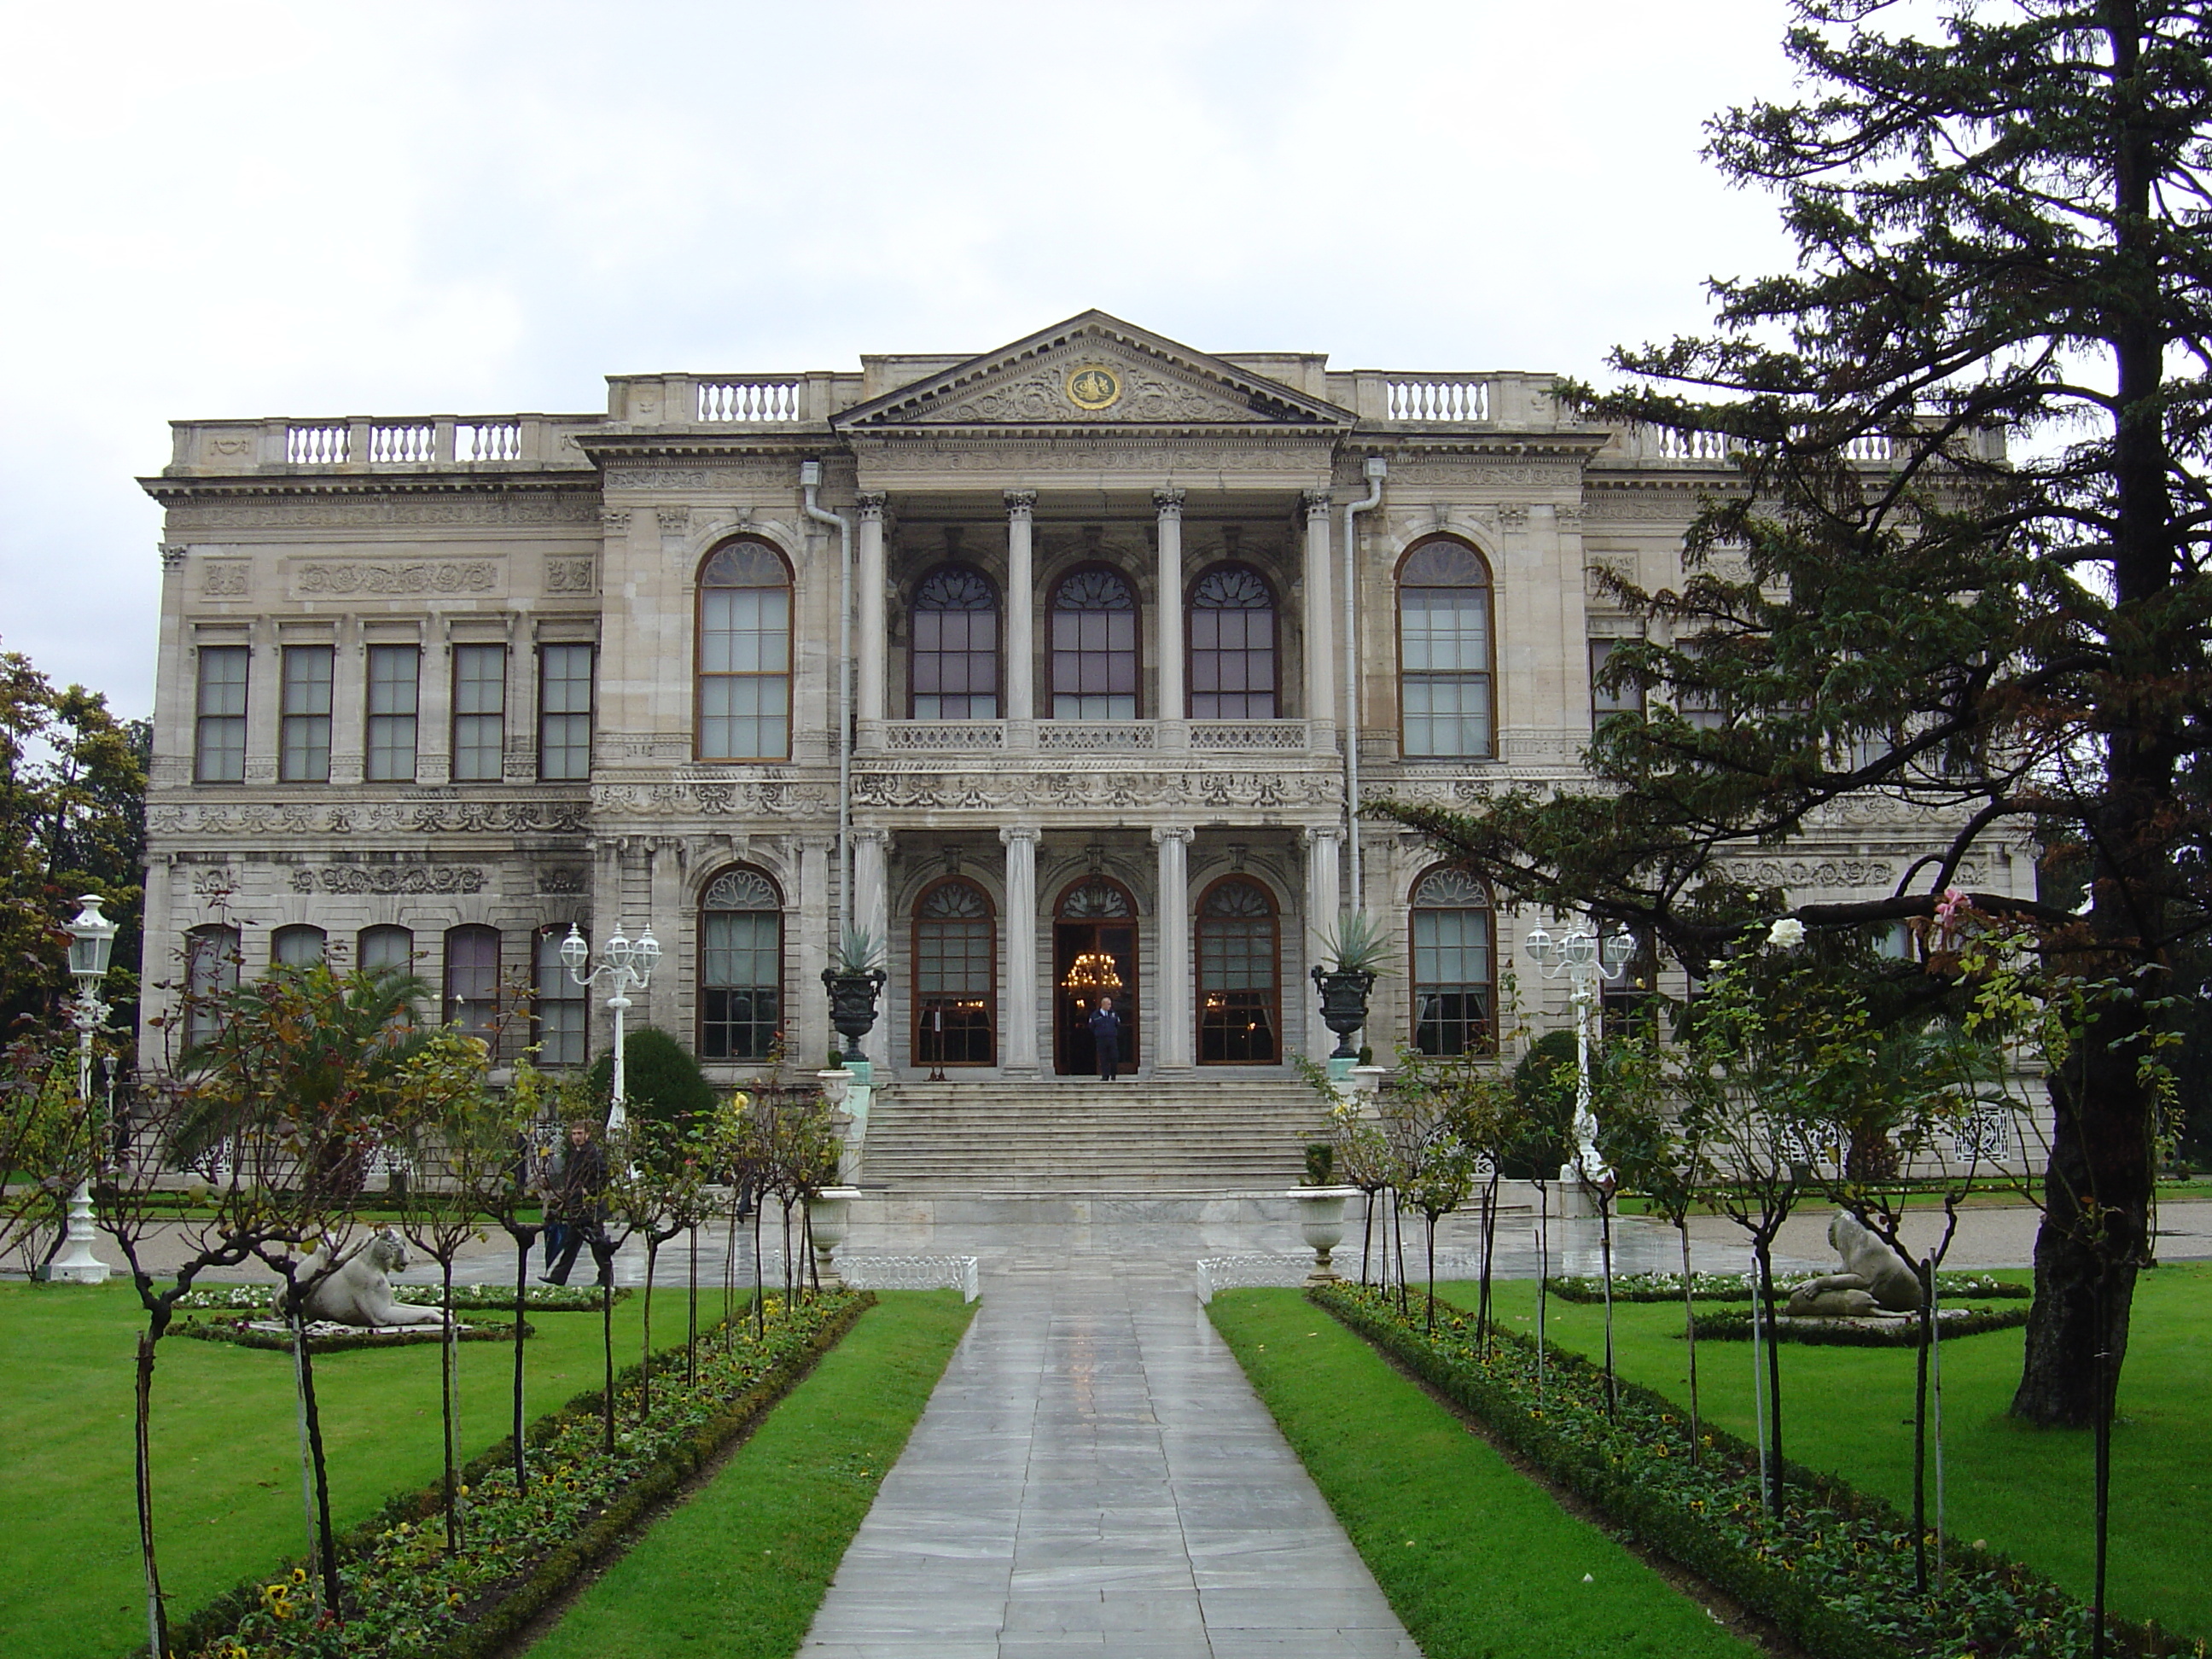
{"points": [[1198, 1134]]}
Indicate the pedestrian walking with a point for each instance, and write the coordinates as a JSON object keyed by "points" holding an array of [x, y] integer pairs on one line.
{"points": [[579, 1205]]}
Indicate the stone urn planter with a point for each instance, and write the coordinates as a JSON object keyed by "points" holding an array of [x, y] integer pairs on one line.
{"points": [[1344, 1005], [1320, 1224], [829, 1216], [852, 1005]]}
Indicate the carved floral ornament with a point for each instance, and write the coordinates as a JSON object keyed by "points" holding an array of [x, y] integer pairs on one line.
{"points": [[388, 878], [381, 817]]}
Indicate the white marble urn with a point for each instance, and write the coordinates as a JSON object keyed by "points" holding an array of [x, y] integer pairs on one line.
{"points": [[1320, 1224], [828, 1214]]}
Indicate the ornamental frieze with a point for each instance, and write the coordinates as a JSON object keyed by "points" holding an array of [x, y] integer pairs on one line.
{"points": [[315, 512], [413, 576], [767, 799], [1804, 873], [373, 817], [769, 476], [388, 878], [1103, 455]]}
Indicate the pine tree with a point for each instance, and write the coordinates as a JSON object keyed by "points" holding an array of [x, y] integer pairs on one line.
{"points": [[2005, 244]]}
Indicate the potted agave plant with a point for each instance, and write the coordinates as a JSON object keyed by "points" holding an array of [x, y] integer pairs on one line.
{"points": [[855, 977], [1352, 956]]}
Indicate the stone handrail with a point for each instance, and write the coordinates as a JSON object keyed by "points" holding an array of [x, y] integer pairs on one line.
{"points": [[414, 443]]}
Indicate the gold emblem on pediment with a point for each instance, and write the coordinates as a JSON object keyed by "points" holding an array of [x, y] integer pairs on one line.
{"points": [[1092, 386]]}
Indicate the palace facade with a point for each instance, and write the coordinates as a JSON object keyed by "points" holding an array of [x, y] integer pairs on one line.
{"points": [[1052, 668]]}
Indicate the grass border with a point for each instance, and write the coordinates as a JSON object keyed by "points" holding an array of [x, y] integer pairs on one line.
{"points": [[502, 1620]]}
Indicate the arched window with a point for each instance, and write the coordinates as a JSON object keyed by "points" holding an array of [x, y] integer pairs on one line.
{"points": [[297, 947], [1232, 646], [1239, 987], [211, 975], [557, 1011], [1443, 650], [1455, 975], [1094, 647], [956, 975], [472, 981], [745, 654], [740, 967], [954, 661], [389, 949]]}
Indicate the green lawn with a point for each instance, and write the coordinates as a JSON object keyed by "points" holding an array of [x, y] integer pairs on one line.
{"points": [[226, 1448], [1478, 1562], [739, 1569], [2025, 1491]]}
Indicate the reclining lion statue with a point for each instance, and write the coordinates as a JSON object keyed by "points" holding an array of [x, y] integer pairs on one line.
{"points": [[360, 1292], [1875, 1279]]}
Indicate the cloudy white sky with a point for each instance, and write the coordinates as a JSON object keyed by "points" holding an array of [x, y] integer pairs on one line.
{"points": [[240, 209]]}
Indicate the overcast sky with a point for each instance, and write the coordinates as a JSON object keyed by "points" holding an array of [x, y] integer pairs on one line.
{"points": [[237, 210]]}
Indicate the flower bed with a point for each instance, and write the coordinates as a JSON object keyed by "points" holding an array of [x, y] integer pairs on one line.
{"points": [[407, 1598], [467, 1298], [1835, 1570], [1741, 1287], [324, 1337], [1898, 1331]]}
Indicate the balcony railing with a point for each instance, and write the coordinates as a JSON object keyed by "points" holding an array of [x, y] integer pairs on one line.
{"points": [[1087, 737], [417, 443]]}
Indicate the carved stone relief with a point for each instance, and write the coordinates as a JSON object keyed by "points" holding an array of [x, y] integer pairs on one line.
{"points": [[317, 512], [388, 878], [375, 817], [415, 577], [225, 578], [568, 575]]}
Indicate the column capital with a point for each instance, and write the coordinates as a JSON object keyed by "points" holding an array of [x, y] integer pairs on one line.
{"points": [[1315, 833], [1010, 833], [871, 838], [871, 504], [1020, 503], [1163, 833], [1318, 503], [1168, 502]]}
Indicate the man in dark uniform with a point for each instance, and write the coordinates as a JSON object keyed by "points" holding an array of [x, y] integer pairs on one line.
{"points": [[577, 1203], [1106, 1038]]}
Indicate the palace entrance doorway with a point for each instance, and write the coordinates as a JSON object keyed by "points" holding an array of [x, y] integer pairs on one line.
{"points": [[1094, 954]]}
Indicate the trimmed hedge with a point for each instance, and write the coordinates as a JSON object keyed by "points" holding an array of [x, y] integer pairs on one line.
{"points": [[1734, 1326], [1738, 1287], [491, 1621], [1828, 1573], [240, 1333]]}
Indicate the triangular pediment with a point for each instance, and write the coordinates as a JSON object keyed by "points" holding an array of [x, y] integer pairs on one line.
{"points": [[1093, 370]]}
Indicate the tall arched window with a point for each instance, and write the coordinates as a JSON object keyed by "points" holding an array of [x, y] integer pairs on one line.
{"points": [[472, 981], [1232, 646], [745, 654], [558, 1014], [956, 975], [954, 656], [1443, 650], [740, 967], [1094, 647], [388, 949], [211, 975], [297, 947], [1239, 986], [1454, 974]]}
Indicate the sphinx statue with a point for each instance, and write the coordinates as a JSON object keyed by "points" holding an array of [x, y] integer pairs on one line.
{"points": [[360, 1292], [1875, 1282]]}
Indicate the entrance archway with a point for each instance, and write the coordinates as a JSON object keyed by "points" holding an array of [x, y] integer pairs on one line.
{"points": [[1094, 953]]}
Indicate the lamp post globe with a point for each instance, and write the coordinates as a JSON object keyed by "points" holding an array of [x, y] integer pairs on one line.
{"points": [[1584, 959], [92, 941], [624, 963]]}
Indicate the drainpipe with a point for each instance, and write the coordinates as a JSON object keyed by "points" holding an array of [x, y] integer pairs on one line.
{"points": [[810, 477], [1378, 470]]}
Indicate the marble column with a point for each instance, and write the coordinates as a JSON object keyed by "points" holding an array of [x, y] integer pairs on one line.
{"points": [[872, 914], [811, 921], [1324, 902], [1175, 1011], [869, 642], [1021, 607], [1167, 623], [1019, 1025], [1321, 656]]}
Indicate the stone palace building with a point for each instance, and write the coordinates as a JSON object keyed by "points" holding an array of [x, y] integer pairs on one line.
{"points": [[1127, 623]]}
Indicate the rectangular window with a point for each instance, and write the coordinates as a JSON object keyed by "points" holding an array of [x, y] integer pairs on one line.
{"points": [[472, 981], [741, 999], [744, 674], [564, 712], [304, 752], [219, 735], [1628, 700], [394, 673], [479, 713], [560, 1006]]}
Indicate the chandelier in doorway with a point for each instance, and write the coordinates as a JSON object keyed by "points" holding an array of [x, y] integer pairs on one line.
{"points": [[1093, 970]]}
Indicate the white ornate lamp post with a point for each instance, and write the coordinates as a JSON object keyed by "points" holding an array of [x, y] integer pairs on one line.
{"points": [[91, 937], [1582, 959], [624, 963]]}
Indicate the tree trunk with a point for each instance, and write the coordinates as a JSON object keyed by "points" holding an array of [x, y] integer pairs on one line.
{"points": [[691, 1320], [1689, 1332], [1763, 1310], [1605, 1236], [326, 1537], [645, 1346], [1482, 1311], [157, 1615], [446, 1408], [523, 1241], [607, 1350], [1920, 1431]]}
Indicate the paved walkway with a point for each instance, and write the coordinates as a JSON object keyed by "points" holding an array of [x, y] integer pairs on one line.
{"points": [[1094, 1476]]}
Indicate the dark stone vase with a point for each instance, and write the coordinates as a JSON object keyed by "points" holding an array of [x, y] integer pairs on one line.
{"points": [[852, 1005], [1344, 1007]]}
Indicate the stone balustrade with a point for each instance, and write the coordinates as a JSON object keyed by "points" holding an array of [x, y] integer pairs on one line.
{"points": [[416, 443]]}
